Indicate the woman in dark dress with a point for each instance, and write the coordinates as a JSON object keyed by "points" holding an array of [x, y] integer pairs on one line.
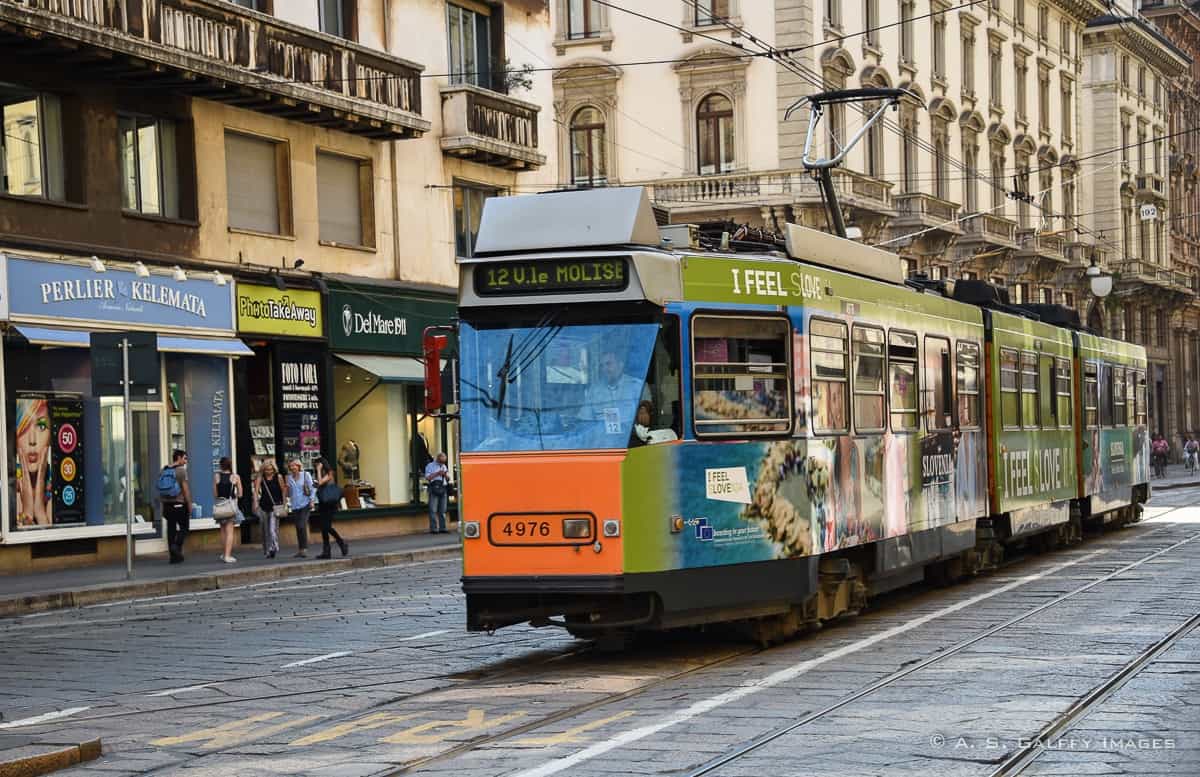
{"points": [[325, 511]]}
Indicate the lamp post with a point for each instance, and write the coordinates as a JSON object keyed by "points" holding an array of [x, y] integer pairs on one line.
{"points": [[1100, 281]]}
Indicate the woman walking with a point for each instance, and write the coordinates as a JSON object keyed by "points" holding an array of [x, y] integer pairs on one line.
{"points": [[300, 493], [328, 498], [269, 503], [227, 488]]}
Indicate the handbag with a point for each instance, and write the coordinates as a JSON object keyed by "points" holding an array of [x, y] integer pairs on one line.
{"points": [[329, 493], [224, 509], [279, 511]]}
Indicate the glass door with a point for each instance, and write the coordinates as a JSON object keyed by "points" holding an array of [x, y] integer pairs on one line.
{"points": [[146, 437]]}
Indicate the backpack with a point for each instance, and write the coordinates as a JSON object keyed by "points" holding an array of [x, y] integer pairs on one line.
{"points": [[168, 483]]}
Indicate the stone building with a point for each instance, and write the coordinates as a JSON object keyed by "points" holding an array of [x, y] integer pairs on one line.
{"points": [[274, 192]]}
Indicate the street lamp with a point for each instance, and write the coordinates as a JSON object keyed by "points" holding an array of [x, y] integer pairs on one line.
{"points": [[1100, 282]]}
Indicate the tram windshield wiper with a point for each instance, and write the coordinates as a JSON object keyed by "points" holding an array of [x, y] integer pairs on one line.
{"points": [[502, 376]]}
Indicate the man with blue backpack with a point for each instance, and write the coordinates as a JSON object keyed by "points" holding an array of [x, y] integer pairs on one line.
{"points": [[176, 498]]}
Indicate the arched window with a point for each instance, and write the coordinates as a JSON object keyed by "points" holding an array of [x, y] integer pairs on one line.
{"points": [[588, 166], [714, 134]]}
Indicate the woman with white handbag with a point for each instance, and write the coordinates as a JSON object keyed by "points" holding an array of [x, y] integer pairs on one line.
{"points": [[227, 490], [270, 505]]}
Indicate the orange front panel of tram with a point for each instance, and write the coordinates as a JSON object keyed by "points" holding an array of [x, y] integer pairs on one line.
{"points": [[520, 501]]}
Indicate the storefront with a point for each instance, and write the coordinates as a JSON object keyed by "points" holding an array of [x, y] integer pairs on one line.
{"points": [[64, 459], [382, 437], [281, 389]]}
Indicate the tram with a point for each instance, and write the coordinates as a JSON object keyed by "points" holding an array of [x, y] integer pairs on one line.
{"points": [[657, 436]]}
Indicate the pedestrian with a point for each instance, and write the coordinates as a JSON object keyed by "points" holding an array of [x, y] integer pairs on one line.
{"points": [[1159, 449], [227, 490], [270, 505], [300, 498], [176, 497], [438, 478], [329, 498]]}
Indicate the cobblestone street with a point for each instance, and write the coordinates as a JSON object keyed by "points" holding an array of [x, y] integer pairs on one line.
{"points": [[369, 672]]}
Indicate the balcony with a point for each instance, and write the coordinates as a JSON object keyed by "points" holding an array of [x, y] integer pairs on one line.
{"points": [[1041, 246], [490, 128], [925, 212], [989, 232], [716, 192], [1151, 187], [1134, 273], [220, 51]]}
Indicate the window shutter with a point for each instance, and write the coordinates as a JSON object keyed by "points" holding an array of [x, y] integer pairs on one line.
{"points": [[250, 168], [339, 201]]}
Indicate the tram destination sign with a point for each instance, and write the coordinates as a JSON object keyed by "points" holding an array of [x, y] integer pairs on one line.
{"points": [[552, 276]]}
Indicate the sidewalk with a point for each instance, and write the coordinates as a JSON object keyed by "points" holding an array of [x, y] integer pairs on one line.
{"points": [[153, 576], [1176, 477]]}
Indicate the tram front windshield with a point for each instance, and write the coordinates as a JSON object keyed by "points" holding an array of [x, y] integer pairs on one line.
{"points": [[551, 386]]}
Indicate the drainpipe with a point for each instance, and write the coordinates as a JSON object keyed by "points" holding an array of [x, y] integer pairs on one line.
{"points": [[392, 145]]}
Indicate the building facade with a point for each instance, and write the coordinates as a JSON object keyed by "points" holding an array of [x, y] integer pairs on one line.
{"points": [[304, 174], [1031, 136]]}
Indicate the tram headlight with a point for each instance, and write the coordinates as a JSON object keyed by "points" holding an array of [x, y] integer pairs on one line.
{"points": [[612, 528], [471, 530], [577, 528]]}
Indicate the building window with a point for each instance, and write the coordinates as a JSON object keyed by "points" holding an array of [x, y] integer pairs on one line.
{"points": [[1141, 148], [254, 5], [468, 210], [1064, 37], [1068, 299], [258, 183], [1047, 295], [968, 275], [996, 76], [583, 19], [711, 12], [345, 201], [941, 156], [741, 375], [587, 148], [335, 17], [470, 39], [32, 143], [149, 166], [902, 381], [1125, 71], [909, 138], [871, 12], [1044, 100], [1067, 111], [1141, 84], [939, 45], [833, 13], [1160, 329], [1068, 194], [874, 141], [714, 132], [1043, 23], [1125, 142], [998, 192], [1020, 293], [1019, 13], [907, 39], [1158, 154], [1046, 191], [968, 64], [828, 349], [1022, 76], [1023, 182], [970, 180]]}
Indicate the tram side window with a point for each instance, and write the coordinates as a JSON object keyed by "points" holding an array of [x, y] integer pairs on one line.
{"points": [[937, 384], [1010, 389], [1029, 390], [902, 380], [868, 379], [1119, 417], [1091, 396], [1106, 395], [741, 376], [1130, 397], [1047, 407], [828, 349], [1140, 399], [1062, 392], [967, 364]]}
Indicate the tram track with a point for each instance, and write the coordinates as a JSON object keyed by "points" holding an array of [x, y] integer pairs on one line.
{"points": [[1027, 755]]}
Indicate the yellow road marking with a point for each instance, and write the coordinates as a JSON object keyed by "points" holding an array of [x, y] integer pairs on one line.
{"points": [[573, 734], [475, 721], [235, 732], [377, 720]]}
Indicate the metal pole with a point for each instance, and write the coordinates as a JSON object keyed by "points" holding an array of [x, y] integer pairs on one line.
{"points": [[128, 461], [831, 202]]}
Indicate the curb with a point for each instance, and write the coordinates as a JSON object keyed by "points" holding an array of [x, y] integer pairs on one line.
{"points": [[112, 592], [1173, 486], [52, 761]]}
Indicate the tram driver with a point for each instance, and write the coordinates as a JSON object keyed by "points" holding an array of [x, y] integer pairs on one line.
{"points": [[642, 433]]}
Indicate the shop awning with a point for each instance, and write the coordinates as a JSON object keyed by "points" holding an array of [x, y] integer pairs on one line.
{"points": [[212, 346], [389, 369], [81, 338]]}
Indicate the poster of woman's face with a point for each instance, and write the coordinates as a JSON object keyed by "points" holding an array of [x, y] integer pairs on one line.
{"points": [[35, 505]]}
